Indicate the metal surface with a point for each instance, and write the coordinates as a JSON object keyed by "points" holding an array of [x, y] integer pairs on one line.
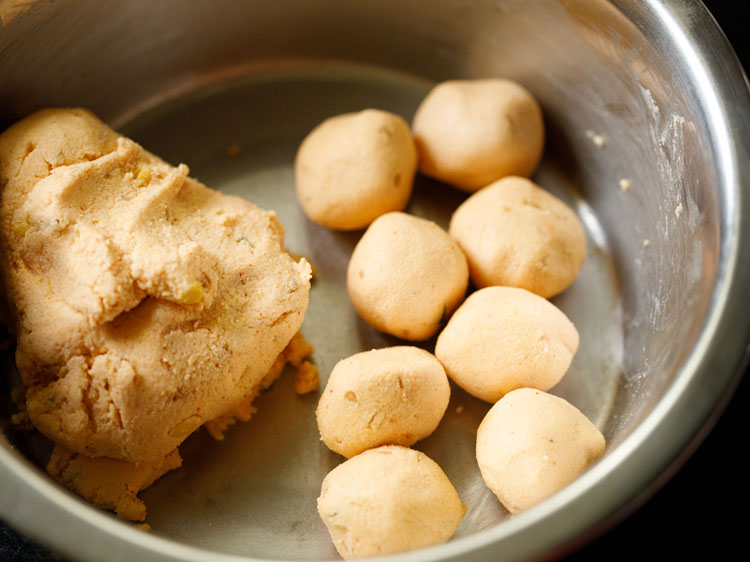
{"points": [[662, 334]]}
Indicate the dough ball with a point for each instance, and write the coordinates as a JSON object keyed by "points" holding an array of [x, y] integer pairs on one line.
{"points": [[503, 338], [531, 444], [470, 133], [391, 396], [515, 233], [388, 500], [352, 168], [406, 276]]}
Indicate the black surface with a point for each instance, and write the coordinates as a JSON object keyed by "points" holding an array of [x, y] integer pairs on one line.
{"points": [[701, 511]]}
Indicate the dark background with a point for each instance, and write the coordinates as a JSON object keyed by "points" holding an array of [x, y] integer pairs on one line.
{"points": [[701, 511]]}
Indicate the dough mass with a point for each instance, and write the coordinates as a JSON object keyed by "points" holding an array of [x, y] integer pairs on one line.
{"points": [[144, 304]]}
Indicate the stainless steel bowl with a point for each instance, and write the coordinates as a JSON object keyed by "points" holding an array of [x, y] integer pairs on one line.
{"points": [[646, 91]]}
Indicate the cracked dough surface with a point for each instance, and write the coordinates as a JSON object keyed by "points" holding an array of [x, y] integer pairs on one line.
{"points": [[110, 483], [114, 484], [143, 302]]}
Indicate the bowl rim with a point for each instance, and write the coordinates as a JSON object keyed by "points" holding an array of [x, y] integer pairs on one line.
{"points": [[628, 475]]}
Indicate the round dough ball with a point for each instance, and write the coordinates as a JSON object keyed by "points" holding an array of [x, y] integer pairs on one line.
{"points": [[503, 338], [391, 396], [515, 233], [352, 168], [531, 444], [388, 500], [470, 133], [406, 276]]}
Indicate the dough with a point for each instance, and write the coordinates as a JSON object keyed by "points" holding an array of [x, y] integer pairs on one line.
{"points": [[352, 168], [388, 500], [406, 276], [391, 396], [294, 353], [144, 303], [113, 483], [515, 233], [110, 483], [503, 338], [531, 444], [307, 379], [470, 133]]}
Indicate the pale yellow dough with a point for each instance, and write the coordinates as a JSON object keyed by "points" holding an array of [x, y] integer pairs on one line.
{"points": [[406, 276], [504, 338], [517, 234], [354, 167], [470, 133], [114, 483], [388, 500], [294, 353], [531, 444], [391, 396], [144, 303], [110, 483]]}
